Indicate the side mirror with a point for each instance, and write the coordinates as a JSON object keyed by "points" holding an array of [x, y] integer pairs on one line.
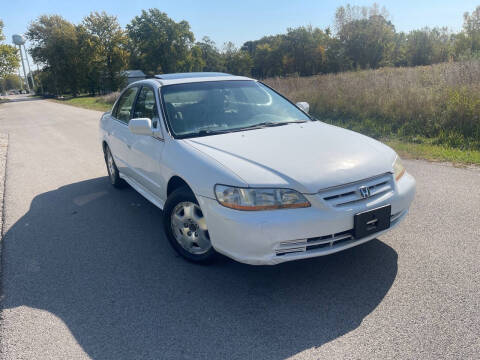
{"points": [[304, 106], [140, 126]]}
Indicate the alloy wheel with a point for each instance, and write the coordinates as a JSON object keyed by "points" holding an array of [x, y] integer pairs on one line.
{"points": [[189, 228], [110, 165]]}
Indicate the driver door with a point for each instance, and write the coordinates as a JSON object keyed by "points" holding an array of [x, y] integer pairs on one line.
{"points": [[146, 151], [119, 136]]}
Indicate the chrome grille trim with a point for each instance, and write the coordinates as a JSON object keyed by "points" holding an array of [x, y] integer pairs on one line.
{"points": [[349, 194], [331, 239], [289, 251], [287, 247], [325, 242]]}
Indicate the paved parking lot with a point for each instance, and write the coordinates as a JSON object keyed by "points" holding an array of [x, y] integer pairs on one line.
{"points": [[87, 272]]}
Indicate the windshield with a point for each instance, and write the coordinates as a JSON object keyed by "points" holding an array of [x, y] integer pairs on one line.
{"points": [[206, 108]]}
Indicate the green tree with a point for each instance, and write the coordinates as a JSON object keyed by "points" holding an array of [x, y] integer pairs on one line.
{"points": [[157, 43], [398, 53], [304, 48], [237, 62], [9, 60], [419, 48], [471, 22], [10, 81], [212, 58], [301, 50], [443, 44], [267, 55], [366, 34], [193, 60], [265, 62], [428, 46], [56, 46], [467, 42], [107, 43], [92, 65], [45, 82], [337, 59]]}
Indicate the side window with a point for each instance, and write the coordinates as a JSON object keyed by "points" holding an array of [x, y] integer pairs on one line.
{"points": [[146, 106], [124, 105]]}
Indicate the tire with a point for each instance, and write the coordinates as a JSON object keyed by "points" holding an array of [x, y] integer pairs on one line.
{"points": [[186, 228], [113, 173]]}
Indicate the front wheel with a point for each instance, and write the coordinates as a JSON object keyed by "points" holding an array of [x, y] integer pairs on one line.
{"points": [[113, 173], [186, 228]]}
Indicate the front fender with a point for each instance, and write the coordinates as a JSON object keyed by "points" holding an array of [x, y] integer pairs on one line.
{"points": [[198, 169]]}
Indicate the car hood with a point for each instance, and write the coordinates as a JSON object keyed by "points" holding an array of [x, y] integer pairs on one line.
{"points": [[307, 156]]}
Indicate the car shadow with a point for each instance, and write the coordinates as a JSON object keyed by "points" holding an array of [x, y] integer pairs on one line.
{"points": [[96, 258]]}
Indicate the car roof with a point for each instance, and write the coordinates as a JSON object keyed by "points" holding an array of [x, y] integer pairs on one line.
{"points": [[189, 77]]}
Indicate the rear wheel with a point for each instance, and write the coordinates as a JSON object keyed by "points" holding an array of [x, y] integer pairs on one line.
{"points": [[113, 173], [186, 228]]}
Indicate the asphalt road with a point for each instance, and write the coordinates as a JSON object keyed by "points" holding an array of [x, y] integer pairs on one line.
{"points": [[87, 272]]}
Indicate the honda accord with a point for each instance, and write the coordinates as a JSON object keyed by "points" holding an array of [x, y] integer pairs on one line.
{"points": [[240, 170]]}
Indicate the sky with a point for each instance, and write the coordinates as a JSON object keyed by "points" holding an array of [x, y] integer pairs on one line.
{"points": [[240, 20]]}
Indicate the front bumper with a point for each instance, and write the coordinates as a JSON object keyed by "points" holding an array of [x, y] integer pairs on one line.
{"points": [[272, 237]]}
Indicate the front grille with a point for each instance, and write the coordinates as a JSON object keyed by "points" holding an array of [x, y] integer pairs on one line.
{"points": [[327, 241], [348, 194]]}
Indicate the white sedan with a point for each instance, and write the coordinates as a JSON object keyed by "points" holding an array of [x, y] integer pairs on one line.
{"points": [[240, 170]]}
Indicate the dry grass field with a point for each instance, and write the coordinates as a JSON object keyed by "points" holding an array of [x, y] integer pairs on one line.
{"points": [[438, 104]]}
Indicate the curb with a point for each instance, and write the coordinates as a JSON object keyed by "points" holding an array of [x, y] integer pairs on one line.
{"points": [[3, 177], [3, 168]]}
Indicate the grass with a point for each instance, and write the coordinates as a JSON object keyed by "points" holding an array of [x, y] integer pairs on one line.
{"points": [[88, 102], [100, 103], [434, 152]]}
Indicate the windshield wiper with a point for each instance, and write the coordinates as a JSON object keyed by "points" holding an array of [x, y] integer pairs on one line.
{"points": [[205, 132], [270, 124], [208, 132], [285, 123]]}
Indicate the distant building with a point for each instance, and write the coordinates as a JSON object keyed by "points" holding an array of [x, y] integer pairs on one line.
{"points": [[134, 75]]}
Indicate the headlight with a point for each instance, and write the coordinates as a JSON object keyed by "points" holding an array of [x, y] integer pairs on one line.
{"points": [[398, 168], [252, 199]]}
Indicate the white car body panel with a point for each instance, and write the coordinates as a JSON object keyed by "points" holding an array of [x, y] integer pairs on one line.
{"points": [[310, 157], [119, 137], [145, 163], [254, 238]]}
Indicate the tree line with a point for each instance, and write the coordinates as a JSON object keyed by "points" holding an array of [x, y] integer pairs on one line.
{"points": [[90, 57], [363, 38], [9, 62]]}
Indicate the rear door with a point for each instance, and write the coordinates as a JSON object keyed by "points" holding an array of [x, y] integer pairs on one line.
{"points": [[146, 151], [120, 136]]}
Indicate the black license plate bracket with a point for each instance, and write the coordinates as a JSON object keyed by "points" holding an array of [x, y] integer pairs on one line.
{"points": [[372, 221]]}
